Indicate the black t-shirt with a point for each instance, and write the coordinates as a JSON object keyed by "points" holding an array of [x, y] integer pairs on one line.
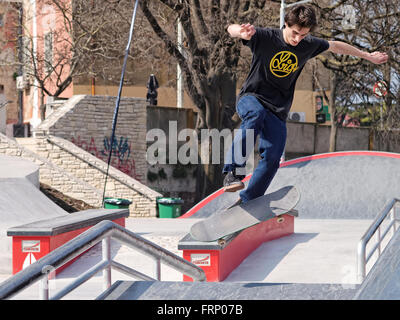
{"points": [[276, 66]]}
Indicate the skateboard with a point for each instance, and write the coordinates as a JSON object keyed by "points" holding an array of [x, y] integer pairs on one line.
{"points": [[228, 221]]}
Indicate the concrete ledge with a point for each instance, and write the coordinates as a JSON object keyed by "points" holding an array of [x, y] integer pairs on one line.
{"points": [[219, 258], [31, 242], [73, 221]]}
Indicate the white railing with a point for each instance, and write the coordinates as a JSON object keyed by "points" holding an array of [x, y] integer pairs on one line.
{"points": [[375, 229], [104, 231]]}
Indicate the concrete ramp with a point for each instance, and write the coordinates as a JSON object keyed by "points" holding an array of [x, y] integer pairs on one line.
{"points": [[21, 202], [147, 290], [339, 185]]}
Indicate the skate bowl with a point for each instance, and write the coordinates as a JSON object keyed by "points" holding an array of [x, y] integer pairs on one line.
{"points": [[338, 185]]}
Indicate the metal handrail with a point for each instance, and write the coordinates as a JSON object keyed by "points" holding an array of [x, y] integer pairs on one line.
{"points": [[362, 257], [103, 231]]}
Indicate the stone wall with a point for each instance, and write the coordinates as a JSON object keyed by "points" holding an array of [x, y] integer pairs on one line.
{"points": [[3, 113], [92, 171], [52, 174], [80, 175], [87, 122], [76, 137]]}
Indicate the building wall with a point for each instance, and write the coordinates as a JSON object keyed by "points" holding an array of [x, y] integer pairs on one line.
{"points": [[40, 19], [8, 37], [307, 90], [166, 95]]}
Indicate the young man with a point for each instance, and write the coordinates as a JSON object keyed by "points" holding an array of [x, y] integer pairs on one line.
{"points": [[265, 99]]}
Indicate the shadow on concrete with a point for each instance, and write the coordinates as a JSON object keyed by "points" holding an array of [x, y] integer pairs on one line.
{"points": [[262, 261]]}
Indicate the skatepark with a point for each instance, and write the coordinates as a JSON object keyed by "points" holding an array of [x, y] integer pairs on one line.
{"points": [[341, 196]]}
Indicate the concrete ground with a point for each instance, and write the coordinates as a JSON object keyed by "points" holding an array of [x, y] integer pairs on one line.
{"points": [[320, 251]]}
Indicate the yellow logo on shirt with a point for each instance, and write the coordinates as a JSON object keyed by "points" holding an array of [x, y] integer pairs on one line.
{"points": [[283, 64]]}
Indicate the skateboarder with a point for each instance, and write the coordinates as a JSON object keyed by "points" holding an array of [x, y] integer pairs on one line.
{"points": [[265, 99]]}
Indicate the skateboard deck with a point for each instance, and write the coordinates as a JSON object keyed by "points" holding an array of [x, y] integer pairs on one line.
{"points": [[228, 221]]}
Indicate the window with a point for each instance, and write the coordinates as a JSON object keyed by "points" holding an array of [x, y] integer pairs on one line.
{"points": [[1, 20]]}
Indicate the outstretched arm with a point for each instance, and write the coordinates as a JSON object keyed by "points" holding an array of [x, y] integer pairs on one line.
{"points": [[344, 48], [243, 31]]}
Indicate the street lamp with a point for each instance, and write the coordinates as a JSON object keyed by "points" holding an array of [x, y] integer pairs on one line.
{"points": [[284, 6]]}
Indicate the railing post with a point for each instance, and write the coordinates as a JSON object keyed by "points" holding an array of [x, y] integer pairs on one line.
{"points": [[44, 288], [106, 251], [393, 220], [44, 284], [361, 263], [378, 235], [157, 269]]}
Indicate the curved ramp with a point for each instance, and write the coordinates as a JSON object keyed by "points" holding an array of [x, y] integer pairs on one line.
{"points": [[339, 185], [21, 201]]}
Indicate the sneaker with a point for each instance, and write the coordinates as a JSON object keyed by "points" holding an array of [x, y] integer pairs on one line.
{"points": [[232, 182]]}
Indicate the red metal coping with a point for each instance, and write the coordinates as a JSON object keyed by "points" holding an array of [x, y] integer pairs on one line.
{"points": [[217, 193]]}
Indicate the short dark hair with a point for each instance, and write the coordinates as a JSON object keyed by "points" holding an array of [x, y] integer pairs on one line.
{"points": [[302, 15]]}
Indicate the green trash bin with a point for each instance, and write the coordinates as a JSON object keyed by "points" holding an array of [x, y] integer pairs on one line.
{"points": [[116, 203], [169, 207]]}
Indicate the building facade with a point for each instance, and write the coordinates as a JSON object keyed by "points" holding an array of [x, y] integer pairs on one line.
{"points": [[9, 112]]}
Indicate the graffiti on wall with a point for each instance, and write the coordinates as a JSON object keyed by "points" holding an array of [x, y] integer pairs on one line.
{"points": [[121, 157]]}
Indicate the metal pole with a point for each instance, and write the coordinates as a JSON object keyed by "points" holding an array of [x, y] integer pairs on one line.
{"points": [[282, 14], [281, 23], [179, 79], [383, 105], [106, 251], [121, 83], [157, 269], [44, 283], [44, 288], [361, 263], [378, 237]]}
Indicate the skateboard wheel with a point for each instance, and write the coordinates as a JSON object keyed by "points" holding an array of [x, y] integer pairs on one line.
{"points": [[280, 219]]}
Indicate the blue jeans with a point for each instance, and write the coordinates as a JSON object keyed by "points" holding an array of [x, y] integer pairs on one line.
{"points": [[272, 132]]}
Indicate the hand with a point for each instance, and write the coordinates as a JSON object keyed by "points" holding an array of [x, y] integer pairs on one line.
{"points": [[247, 31], [378, 57]]}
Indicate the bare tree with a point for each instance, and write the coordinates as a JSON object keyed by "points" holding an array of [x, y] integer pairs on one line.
{"points": [[81, 40], [209, 58], [376, 29], [48, 58]]}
